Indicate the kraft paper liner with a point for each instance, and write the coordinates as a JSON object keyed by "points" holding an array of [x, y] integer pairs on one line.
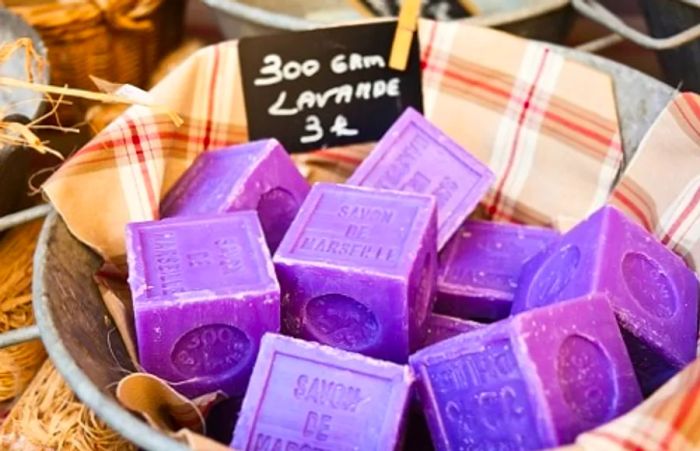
{"points": [[159, 403], [514, 104]]}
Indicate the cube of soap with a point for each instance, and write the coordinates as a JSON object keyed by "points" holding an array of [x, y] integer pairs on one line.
{"points": [[357, 270], [204, 293], [442, 327], [416, 156], [532, 381], [305, 396], [653, 293], [478, 269], [256, 176]]}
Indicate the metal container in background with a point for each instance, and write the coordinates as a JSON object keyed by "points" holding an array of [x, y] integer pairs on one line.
{"points": [[665, 18], [546, 20], [17, 105]]}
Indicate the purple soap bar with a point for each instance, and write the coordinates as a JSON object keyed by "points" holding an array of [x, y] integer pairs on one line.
{"points": [[357, 270], [415, 156], [532, 381], [256, 176], [305, 396], [653, 293], [479, 267], [442, 327], [204, 293]]}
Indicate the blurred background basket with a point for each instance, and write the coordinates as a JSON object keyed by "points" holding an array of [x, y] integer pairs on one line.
{"points": [[542, 19], [118, 40]]}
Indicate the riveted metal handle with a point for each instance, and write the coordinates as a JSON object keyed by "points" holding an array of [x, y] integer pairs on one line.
{"points": [[593, 10], [15, 219], [18, 336], [29, 333]]}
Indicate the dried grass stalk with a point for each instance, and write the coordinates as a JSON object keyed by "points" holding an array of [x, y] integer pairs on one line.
{"points": [[19, 363], [33, 62], [18, 134], [48, 416], [89, 95]]}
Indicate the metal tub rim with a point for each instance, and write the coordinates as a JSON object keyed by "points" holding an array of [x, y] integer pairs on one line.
{"points": [[111, 412], [136, 430]]}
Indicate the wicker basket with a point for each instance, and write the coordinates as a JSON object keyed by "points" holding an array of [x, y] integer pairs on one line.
{"points": [[118, 40]]}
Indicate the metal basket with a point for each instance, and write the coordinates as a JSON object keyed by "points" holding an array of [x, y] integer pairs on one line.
{"points": [[70, 312]]}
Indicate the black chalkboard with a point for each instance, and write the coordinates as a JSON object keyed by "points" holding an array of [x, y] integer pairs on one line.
{"points": [[326, 87], [432, 9]]}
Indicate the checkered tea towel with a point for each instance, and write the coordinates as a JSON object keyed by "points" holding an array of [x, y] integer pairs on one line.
{"points": [[515, 104], [661, 185]]}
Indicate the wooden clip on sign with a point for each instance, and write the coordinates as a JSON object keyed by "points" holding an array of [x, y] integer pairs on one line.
{"points": [[406, 28]]}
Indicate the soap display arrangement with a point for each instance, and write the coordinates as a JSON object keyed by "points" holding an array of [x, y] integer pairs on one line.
{"points": [[327, 308]]}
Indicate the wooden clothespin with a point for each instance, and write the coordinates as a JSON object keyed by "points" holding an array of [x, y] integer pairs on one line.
{"points": [[408, 22]]}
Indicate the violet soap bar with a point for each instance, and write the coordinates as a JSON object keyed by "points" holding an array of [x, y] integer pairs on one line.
{"points": [[529, 382], [442, 327], [416, 156], [357, 270], [478, 269], [653, 293], [255, 176], [204, 293], [305, 396]]}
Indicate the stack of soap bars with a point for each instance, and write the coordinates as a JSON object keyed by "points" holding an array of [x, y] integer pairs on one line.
{"points": [[327, 308]]}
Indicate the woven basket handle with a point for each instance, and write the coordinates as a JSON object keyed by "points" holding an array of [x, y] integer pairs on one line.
{"points": [[136, 18], [598, 13]]}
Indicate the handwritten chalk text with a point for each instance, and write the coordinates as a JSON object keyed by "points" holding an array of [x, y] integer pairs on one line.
{"points": [[336, 95]]}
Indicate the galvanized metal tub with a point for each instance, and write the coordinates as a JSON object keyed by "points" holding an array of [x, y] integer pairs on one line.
{"points": [[89, 353], [547, 20], [19, 106]]}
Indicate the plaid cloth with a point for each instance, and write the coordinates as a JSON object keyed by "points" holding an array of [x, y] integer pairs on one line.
{"points": [[668, 206], [534, 124], [546, 126], [668, 420]]}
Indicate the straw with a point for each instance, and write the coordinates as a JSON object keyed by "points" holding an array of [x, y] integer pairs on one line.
{"points": [[14, 133], [19, 363], [49, 416]]}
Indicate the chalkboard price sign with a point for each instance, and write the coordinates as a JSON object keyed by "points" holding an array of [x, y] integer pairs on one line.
{"points": [[326, 87]]}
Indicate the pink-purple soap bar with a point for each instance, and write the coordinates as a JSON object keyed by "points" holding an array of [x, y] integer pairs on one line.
{"points": [[416, 156], [478, 269], [204, 293], [357, 270], [258, 175], [652, 291], [442, 327], [305, 396], [529, 382]]}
